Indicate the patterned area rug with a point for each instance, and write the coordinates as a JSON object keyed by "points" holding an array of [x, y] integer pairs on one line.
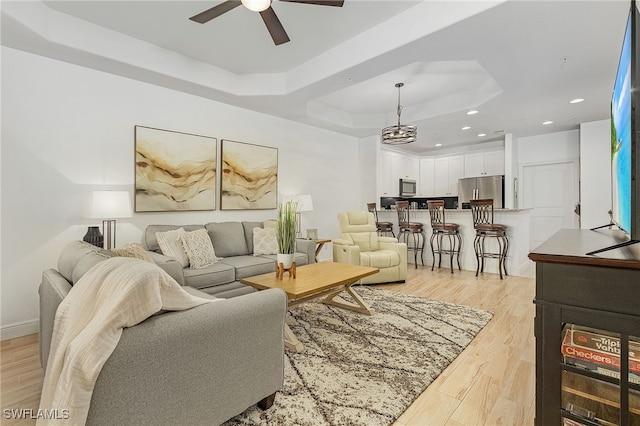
{"points": [[366, 370]]}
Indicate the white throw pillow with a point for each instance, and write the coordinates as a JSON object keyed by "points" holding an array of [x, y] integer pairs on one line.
{"points": [[170, 243], [264, 241], [199, 248]]}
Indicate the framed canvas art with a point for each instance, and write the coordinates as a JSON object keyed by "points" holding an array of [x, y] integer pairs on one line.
{"points": [[249, 176], [174, 171]]}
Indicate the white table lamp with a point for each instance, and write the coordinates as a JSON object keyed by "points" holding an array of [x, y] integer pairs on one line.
{"points": [[108, 206]]}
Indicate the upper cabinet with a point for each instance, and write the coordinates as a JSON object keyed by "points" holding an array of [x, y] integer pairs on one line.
{"points": [[392, 168], [436, 176], [447, 171], [426, 184], [385, 187], [488, 163], [405, 167]]}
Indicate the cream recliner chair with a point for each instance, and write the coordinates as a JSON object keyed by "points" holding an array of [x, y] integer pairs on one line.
{"points": [[360, 244]]}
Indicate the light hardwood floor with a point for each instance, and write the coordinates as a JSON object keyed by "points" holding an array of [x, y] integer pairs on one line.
{"points": [[491, 383]]}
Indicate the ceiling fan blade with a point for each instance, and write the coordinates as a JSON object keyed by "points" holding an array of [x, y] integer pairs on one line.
{"points": [[215, 11], [337, 3], [278, 34]]}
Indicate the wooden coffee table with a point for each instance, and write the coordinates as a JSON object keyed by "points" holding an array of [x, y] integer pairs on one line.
{"points": [[324, 279]]}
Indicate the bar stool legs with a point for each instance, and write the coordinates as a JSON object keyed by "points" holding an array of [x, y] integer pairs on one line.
{"points": [[481, 253], [419, 238], [455, 247]]}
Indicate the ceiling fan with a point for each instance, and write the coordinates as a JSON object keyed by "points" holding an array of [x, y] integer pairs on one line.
{"points": [[278, 34]]}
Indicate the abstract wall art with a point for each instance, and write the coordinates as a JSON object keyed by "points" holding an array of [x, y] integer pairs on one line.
{"points": [[174, 171], [249, 176]]}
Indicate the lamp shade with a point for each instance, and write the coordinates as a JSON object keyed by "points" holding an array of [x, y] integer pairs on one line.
{"points": [[110, 204]]}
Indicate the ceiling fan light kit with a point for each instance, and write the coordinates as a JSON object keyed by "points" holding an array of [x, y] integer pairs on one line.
{"points": [[256, 5], [399, 134], [275, 28]]}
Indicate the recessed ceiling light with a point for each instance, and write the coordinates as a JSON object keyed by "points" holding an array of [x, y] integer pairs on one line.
{"points": [[466, 127], [481, 135], [576, 101], [473, 111], [438, 144], [546, 123]]}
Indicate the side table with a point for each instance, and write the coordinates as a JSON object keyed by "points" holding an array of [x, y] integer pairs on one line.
{"points": [[319, 245]]}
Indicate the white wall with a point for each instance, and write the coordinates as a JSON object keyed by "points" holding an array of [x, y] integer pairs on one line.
{"points": [[68, 130], [560, 146], [595, 173], [368, 154]]}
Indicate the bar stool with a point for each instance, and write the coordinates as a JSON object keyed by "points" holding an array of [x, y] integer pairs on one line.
{"points": [[441, 229], [482, 212], [383, 227], [407, 228]]}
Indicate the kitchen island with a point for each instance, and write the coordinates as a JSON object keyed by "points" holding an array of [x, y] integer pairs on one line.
{"points": [[517, 221]]}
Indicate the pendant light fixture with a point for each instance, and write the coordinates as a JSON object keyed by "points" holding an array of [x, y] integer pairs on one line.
{"points": [[400, 134]]}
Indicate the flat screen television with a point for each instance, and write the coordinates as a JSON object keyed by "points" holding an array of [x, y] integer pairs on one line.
{"points": [[625, 139]]}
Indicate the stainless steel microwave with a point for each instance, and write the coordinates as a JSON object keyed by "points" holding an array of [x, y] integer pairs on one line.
{"points": [[408, 188]]}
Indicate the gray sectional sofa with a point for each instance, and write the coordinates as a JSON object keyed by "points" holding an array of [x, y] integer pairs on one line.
{"points": [[201, 366], [233, 242]]}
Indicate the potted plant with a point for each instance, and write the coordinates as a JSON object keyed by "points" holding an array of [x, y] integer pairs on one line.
{"points": [[286, 233]]}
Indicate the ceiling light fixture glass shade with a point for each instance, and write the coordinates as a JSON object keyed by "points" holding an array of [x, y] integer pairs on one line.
{"points": [[256, 5], [401, 133]]}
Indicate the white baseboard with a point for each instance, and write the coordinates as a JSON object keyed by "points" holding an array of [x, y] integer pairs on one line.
{"points": [[18, 330]]}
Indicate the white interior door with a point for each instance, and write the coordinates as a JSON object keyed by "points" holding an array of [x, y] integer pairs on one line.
{"points": [[551, 190]]}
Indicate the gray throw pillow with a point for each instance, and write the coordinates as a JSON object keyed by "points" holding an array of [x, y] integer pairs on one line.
{"points": [[228, 238]]}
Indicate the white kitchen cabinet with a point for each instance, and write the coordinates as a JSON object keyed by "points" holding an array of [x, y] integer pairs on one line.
{"points": [[385, 179], [488, 163], [393, 167], [404, 167], [441, 176], [426, 184], [494, 163], [456, 171], [447, 171]]}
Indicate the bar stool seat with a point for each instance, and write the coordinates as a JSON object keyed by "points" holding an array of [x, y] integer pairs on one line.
{"points": [[442, 228], [413, 229], [383, 227], [482, 212]]}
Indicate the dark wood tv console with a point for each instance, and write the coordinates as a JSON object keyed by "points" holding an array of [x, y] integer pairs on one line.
{"points": [[598, 292]]}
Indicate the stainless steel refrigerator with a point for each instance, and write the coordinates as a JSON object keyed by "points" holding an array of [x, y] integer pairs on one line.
{"points": [[481, 188]]}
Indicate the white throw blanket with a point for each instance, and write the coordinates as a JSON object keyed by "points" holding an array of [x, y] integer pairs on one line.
{"points": [[115, 293]]}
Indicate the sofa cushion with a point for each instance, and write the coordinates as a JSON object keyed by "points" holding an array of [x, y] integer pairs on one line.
{"points": [[248, 233], [228, 290], [228, 238], [199, 249], [150, 241], [218, 273], [71, 254], [264, 241], [170, 243], [380, 259], [87, 262], [198, 293], [248, 266]]}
